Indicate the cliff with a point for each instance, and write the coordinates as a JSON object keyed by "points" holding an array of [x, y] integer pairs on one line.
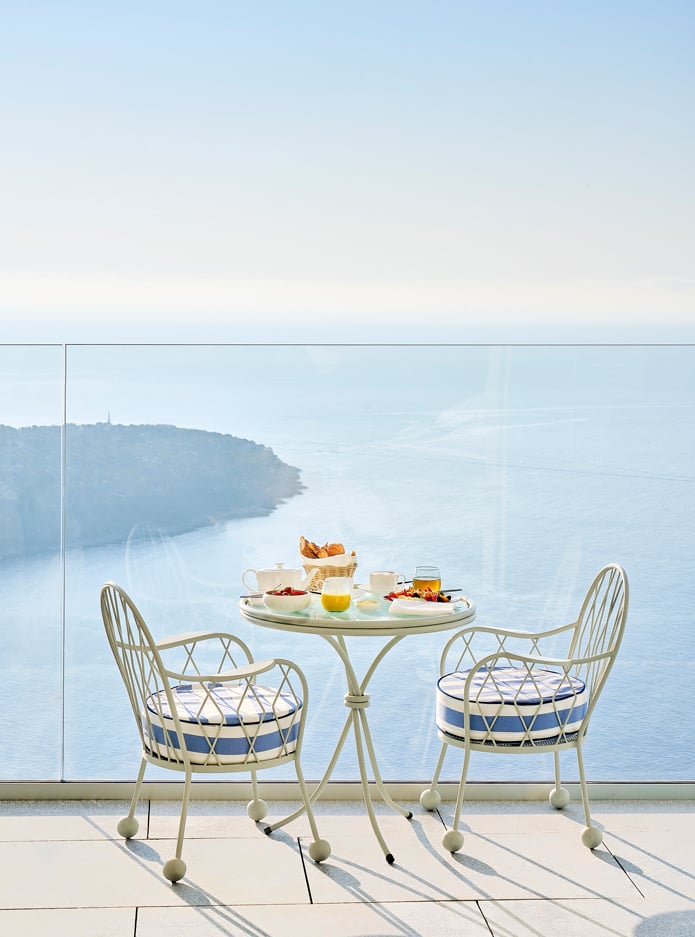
{"points": [[119, 477]]}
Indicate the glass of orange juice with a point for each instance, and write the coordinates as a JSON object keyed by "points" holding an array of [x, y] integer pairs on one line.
{"points": [[427, 577], [336, 593]]}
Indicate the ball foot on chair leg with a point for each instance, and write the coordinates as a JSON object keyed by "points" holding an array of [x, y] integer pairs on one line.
{"points": [[592, 837], [319, 850], [174, 870], [559, 797], [256, 809], [430, 799], [452, 840], [128, 827]]}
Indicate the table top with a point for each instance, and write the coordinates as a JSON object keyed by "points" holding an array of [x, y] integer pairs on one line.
{"points": [[315, 620]]}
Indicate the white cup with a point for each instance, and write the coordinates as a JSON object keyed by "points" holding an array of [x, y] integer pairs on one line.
{"points": [[385, 581]]}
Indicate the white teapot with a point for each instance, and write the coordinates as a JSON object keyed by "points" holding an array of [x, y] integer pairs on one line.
{"points": [[277, 577]]}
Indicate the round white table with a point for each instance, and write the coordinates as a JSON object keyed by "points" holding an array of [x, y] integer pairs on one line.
{"points": [[334, 628]]}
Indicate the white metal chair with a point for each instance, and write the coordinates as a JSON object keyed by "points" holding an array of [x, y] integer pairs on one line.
{"points": [[199, 708], [520, 702]]}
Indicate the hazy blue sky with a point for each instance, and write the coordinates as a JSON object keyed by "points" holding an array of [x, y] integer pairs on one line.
{"points": [[420, 169]]}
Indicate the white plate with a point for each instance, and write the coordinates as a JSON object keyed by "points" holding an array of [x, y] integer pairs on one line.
{"points": [[422, 607]]}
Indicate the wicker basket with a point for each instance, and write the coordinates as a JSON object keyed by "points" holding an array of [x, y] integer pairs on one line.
{"points": [[323, 571]]}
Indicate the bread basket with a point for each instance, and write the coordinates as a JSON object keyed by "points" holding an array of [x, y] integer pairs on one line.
{"points": [[344, 564]]}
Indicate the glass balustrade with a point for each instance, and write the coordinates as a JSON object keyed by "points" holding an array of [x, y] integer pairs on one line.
{"points": [[518, 470], [31, 560]]}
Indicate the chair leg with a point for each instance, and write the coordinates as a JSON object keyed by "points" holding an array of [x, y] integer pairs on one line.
{"points": [[128, 826], [175, 869], [591, 835], [559, 797], [256, 808], [453, 838], [430, 798], [319, 849]]}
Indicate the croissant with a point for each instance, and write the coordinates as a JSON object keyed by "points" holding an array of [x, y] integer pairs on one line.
{"points": [[315, 552], [308, 549]]}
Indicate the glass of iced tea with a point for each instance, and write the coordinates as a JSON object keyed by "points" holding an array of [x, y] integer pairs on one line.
{"points": [[336, 593], [427, 577]]}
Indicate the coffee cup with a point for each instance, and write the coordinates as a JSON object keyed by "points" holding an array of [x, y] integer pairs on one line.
{"points": [[385, 581]]}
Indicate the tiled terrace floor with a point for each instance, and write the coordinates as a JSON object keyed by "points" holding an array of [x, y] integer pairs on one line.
{"points": [[523, 873]]}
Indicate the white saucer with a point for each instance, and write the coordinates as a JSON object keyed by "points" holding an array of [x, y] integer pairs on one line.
{"points": [[256, 600], [368, 606]]}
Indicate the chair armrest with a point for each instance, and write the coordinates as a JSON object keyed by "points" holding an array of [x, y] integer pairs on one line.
{"points": [[205, 653], [511, 632], [471, 637], [239, 673], [192, 637]]}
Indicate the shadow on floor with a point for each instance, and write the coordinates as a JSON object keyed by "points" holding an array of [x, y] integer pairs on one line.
{"points": [[673, 924]]}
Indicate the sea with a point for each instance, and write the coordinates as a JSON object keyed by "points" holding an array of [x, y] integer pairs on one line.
{"points": [[519, 470]]}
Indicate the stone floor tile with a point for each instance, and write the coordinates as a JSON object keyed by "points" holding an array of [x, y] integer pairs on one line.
{"points": [[519, 817], [215, 819], [64, 819], [539, 816], [584, 917], [69, 922], [588, 918], [661, 864], [503, 865], [403, 919], [659, 816], [95, 874]]}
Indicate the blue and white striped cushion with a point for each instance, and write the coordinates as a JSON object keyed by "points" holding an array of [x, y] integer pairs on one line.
{"points": [[513, 707], [225, 724]]}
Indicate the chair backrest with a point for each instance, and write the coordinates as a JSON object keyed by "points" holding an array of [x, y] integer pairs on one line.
{"points": [[600, 626], [138, 660]]}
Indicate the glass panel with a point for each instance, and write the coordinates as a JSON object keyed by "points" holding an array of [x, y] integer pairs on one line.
{"points": [[519, 471], [31, 390]]}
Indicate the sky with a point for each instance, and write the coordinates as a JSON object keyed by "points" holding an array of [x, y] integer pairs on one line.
{"points": [[362, 171]]}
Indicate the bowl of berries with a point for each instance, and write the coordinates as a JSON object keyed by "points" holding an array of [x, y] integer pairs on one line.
{"points": [[287, 599]]}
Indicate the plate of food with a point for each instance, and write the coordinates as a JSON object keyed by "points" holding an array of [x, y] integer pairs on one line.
{"points": [[426, 595], [410, 601]]}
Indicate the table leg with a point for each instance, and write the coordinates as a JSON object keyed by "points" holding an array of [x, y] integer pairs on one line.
{"points": [[357, 702], [318, 790], [356, 713], [385, 796]]}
